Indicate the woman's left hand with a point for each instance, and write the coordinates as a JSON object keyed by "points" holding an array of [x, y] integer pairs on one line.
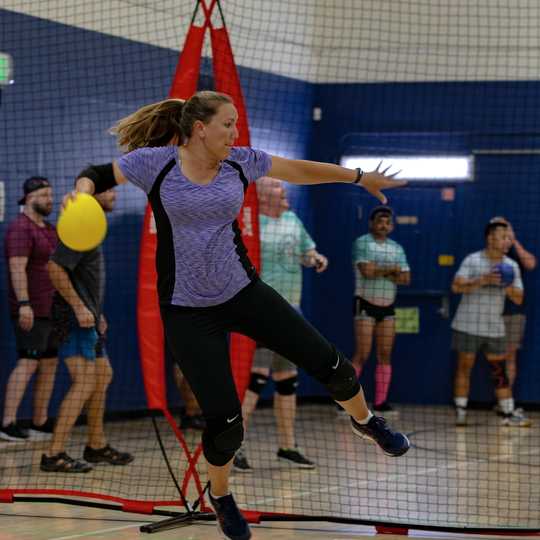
{"points": [[375, 181]]}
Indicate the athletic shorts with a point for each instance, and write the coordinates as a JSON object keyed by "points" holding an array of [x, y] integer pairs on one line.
{"points": [[365, 310], [468, 343], [265, 358], [515, 329], [39, 342], [79, 342]]}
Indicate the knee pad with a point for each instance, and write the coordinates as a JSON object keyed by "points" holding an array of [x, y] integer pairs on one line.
{"points": [[257, 382], [287, 387], [222, 437], [498, 373], [342, 382]]}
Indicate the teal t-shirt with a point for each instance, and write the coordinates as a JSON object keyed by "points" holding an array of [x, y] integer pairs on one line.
{"points": [[284, 241], [379, 291]]}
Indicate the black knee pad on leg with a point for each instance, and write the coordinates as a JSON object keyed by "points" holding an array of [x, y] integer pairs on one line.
{"points": [[498, 373], [257, 382], [287, 387], [222, 437], [342, 382]]}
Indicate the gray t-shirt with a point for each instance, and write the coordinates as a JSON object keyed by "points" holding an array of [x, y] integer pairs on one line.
{"points": [[480, 312], [86, 271], [200, 260]]}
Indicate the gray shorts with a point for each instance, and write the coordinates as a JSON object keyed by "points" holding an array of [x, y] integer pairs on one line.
{"points": [[468, 343], [515, 329], [265, 358]]}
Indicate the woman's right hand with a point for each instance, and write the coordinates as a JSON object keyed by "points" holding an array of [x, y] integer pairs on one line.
{"points": [[83, 185], [71, 196]]}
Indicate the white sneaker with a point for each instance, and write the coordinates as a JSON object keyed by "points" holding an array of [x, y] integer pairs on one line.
{"points": [[516, 419]]}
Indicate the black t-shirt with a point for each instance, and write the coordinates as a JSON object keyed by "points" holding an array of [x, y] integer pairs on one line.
{"points": [[509, 307], [86, 271]]}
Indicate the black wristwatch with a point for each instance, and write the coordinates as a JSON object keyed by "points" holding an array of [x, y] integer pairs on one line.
{"points": [[359, 174], [22, 303]]}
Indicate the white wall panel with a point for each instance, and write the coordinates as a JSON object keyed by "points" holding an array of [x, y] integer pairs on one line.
{"points": [[336, 40]]}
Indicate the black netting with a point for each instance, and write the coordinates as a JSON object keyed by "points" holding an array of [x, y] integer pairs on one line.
{"points": [[330, 82]]}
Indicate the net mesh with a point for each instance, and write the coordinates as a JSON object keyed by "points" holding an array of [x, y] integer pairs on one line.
{"points": [[323, 81]]}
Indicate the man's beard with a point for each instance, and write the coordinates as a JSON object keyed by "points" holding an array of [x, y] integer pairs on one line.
{"points": [[41, 210]]}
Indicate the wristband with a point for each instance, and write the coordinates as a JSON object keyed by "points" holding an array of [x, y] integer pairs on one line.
{"points": [[359, 174], [101, 175], [22, 303]]}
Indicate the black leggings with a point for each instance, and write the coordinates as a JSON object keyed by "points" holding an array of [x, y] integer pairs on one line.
{"points": [[197, 339]]}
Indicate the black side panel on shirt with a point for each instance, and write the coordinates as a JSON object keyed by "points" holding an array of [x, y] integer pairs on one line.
{"points": [[165, 264], [240, 171], [242, 252], [239, 243]]}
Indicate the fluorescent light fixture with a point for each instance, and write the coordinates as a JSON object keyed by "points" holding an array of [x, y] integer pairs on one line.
{"points": [[421, 168]]}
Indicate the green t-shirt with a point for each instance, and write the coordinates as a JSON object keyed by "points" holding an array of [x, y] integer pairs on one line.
{"points": [[379, 291], [284, 241]]}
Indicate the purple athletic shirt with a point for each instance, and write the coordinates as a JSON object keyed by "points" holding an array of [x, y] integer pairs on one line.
{"points": [[24, 238], [201, 260]]}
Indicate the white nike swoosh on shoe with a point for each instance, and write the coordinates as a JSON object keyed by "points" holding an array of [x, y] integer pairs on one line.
{"points": [[337, 364], [231, 420]]}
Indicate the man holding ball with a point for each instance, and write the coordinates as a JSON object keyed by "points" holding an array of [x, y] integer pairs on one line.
{"points": [[485, 278]]}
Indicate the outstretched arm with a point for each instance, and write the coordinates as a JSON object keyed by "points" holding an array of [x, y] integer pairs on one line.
{"points": [[297, 171]]}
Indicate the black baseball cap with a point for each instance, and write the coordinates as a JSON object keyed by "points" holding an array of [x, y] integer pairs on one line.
{"points": [[382, 209], [33, 184]]}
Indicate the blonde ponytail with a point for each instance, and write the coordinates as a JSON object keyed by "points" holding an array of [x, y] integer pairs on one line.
{"points": [[152, 125], [159, 123]]}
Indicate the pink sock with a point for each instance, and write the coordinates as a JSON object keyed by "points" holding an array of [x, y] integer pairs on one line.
{"points": [[358, 370], [383, 376]]}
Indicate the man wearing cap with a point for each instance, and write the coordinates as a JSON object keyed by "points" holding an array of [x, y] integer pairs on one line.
{"points": [[29, 242], [380, 266]]}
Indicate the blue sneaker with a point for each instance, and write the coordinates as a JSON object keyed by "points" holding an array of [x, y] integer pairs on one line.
{"points": [[231, 523], [392, 443]]}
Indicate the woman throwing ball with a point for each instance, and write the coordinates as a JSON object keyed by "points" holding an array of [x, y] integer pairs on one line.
{"points": [[182, 155]]}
